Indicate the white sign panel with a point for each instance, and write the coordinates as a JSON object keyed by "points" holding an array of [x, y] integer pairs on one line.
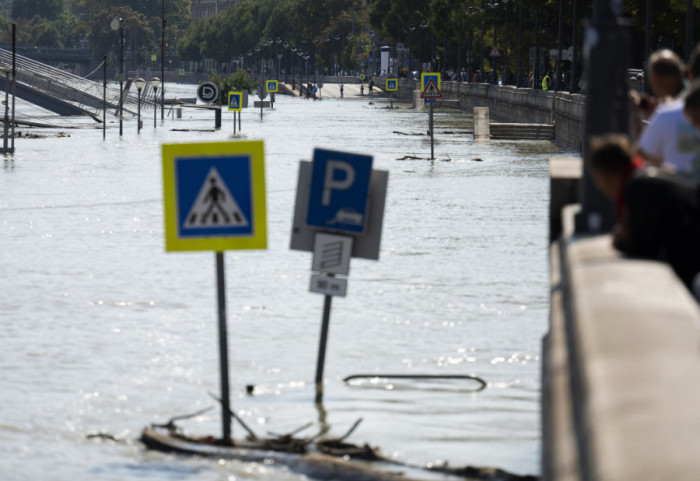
{"points": [[330, 286], [332, 254]]}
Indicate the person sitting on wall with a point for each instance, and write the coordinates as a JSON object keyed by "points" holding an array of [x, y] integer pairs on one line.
{"points": [[658, 211]]}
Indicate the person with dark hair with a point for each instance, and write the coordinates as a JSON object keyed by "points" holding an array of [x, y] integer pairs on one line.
{"points": [[658, 212], [670, 140]]}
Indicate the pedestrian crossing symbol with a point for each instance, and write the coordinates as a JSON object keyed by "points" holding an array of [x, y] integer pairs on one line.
{"points": [[431, 91], [392, 85], [271, 86], [214, 206], [235, 99], [214, 196]]}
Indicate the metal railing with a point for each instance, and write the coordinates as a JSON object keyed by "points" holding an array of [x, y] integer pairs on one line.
{"points": [[75, 90]]}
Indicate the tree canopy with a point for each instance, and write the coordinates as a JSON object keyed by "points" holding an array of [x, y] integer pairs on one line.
{"points": [[340, 33]]}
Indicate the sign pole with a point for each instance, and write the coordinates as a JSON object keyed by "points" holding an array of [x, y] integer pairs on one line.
{"points": [[223, 348], [322, 348], [430, 127], [234, 123], [239, 120]]}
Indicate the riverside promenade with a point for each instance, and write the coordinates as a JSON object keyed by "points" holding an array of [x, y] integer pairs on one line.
{"points": [[620, 360]]}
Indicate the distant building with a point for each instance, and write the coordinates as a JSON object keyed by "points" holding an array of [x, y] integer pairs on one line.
{"points": [[208, 8]]}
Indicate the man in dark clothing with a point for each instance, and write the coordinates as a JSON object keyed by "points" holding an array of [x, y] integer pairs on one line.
{"points": [[658, 212]]}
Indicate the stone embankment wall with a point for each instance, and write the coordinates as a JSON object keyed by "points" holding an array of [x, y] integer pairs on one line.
{"points": [[518, 105]]}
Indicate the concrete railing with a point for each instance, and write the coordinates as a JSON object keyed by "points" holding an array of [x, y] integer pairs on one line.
{"points": [[620, 361], [517, 105]]}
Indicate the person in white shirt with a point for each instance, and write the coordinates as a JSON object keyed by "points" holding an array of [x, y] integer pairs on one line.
{"points": [[670, 140]]}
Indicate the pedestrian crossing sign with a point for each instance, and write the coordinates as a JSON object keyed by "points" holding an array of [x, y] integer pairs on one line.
{"points": [[271, 86], [214, 196], [431, 91], [235, 101], [426, 77], [392, 85]]}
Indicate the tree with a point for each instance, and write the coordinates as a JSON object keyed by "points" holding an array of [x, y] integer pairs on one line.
{"points": [[48, 9]]}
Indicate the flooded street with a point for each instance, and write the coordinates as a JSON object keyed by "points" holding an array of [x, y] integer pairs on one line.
{"points": [[103, 331]]}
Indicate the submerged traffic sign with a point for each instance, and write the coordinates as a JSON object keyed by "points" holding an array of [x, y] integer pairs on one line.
{"points": [[208, 92], [431, 91], [339, 191], [235, 101], [426, 77], [214, 196]]}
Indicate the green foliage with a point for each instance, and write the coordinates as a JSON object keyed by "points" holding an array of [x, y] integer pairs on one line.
{"points": [[48, 9], [238, 81]]}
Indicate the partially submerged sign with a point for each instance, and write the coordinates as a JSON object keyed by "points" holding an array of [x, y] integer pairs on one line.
{"points": [[426, 77], [338, 215], [208, 92], [235, 101], [360, 215]]}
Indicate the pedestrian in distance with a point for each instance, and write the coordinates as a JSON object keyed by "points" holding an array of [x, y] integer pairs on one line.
{"points": [[341, 90], [547, 81]]}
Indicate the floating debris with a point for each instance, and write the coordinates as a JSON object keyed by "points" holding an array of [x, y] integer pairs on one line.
{"points": [[405, 133], [413, 157], [28, 135]]}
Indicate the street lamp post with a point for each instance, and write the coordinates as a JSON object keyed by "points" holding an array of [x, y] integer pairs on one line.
{"points": [[494, 68], [6, 118], [140, 84], [117, 24], [155, 83], [505, 45], [520, 44], [482, 9], [423, 26], [163, 23]]}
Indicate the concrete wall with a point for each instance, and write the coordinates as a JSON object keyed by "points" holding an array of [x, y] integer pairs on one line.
{"points": [[620, 363], [519, 105]]}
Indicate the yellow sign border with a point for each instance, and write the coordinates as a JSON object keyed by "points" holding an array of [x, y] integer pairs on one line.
{"points": [[267, 86], [432, 74], [392, 80], [256, 150], [240, 104]]}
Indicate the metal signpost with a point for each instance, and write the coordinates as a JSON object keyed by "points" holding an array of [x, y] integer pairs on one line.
{"points": [[235, 104], [430, 90], [209, 93], [334, 219], [214, 199], [272, 87], [262, 95]]}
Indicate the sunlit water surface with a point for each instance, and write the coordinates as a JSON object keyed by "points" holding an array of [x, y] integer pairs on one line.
{"points": [[102, 331]]}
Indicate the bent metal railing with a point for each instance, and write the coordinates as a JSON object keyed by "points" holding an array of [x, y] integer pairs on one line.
{"points": [[75, 90]]}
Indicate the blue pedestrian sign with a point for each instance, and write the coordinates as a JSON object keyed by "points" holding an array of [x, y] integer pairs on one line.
{"points": [[235, 101], [271, 85], [214, 195], [392, 85], [339, 191]]}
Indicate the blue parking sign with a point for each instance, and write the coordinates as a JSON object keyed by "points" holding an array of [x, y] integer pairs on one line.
{"points": [[339, 191]]}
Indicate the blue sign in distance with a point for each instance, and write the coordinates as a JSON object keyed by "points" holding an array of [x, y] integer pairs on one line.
{"points": [[214, 196], [339, 191]]}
